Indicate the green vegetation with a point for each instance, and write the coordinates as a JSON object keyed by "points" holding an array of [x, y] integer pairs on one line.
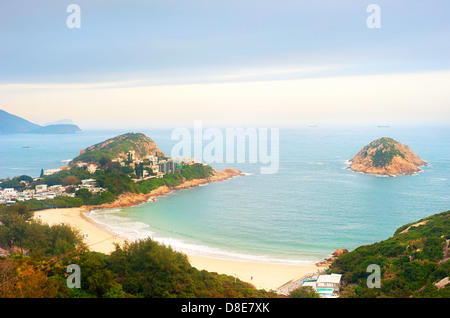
{"points": [[41, 253], [189, 172], [119, 147], [383, 157], [304, 292], [410, 262], [385, 153], [18, 183], [196, 171], [95, 156], [19, 232], [58, 202]]}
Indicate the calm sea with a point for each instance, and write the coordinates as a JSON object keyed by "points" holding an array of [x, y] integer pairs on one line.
{"points": [[309, 208]]}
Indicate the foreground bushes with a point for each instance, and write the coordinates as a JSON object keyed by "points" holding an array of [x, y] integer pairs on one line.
{"points": [[40, 255]]}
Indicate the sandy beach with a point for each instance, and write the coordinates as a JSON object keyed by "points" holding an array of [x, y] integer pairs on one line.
{"points": [[97, 238], [261, 275]]}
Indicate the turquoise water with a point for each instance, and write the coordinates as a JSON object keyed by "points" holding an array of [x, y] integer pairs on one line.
{"points": [[311, 207]]}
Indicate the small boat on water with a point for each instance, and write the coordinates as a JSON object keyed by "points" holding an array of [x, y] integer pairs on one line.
{"points": [[26, 146]]}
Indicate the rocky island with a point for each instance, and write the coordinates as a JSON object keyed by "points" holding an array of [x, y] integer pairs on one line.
{"points": [[386, 156]]}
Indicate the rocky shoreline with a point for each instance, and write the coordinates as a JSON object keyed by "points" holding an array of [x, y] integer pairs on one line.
{"points": [[133, 199], [328, 261]]}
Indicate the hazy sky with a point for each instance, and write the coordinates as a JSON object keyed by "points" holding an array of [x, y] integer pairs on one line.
{"points": [[233, 62]]}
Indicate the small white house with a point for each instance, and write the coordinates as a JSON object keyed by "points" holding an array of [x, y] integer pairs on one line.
{"points": [[88, 183], [41, 188], [10, 193], [51, 171], [328, 285], [91, 168]]}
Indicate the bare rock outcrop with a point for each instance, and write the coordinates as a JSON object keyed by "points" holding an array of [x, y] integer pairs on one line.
{"points": [[328, 261]]}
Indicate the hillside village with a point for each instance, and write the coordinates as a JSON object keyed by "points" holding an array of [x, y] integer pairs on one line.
{"points": [[142, 169]]}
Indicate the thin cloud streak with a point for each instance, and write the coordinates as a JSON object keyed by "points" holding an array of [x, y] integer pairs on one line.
{"points": [[348, 99]]}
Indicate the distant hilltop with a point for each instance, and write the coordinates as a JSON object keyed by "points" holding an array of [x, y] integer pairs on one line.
{"points": [[119, 147], [386, 156], [64, 121], [12, 124]]}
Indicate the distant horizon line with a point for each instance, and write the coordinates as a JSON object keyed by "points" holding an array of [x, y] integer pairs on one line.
{"points": [[273, 125]]}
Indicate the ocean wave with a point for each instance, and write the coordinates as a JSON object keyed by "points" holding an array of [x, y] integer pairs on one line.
{"points": [[105, 211], [135, 230], [122, 226]]}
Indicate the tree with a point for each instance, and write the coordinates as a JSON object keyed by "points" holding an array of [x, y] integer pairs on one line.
{"points": [[83, 194], [104, 161], [70, 180], [304, 292], [42, 173], [26, 281], [139, 170]]}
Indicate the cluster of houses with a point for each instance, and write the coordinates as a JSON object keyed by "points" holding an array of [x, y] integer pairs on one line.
{"points": [[158, 167], [43, 192]]}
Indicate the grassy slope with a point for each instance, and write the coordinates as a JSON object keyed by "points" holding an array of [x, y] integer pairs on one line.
{"points": [[410, 262]]}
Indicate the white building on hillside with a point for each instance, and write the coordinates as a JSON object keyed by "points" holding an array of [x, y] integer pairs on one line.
{"points": [[51, 171], [41, 188], [91, 168], [328, 285]]}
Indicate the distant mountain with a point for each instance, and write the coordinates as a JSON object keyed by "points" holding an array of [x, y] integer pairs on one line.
{"points": [[118, 147], [386, 156], [12, 124], [65, 121], [57, 129]]}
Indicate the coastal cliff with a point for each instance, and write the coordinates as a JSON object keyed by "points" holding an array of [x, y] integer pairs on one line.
{"points": [[128, 199], [386, 156]]}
